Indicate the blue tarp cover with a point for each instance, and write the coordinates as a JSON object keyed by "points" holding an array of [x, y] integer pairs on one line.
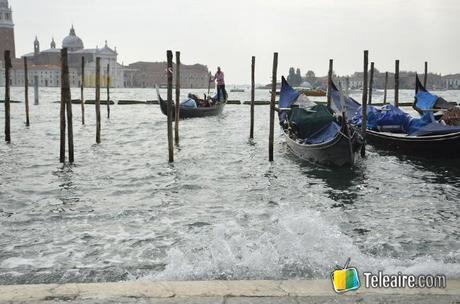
{"points": [[424, 100], [325, 134], [188, 103], [436, 128], [351, 105], [287, 95], [389, 115]]}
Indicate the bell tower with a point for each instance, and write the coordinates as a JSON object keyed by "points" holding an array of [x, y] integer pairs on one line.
{"points": [[6, 29], [36, 46]]}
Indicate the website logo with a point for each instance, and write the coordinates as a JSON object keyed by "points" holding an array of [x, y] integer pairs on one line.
{"points": [[345, 279]]}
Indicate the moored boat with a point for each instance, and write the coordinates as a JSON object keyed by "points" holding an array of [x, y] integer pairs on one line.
{"points": [[312, 131], [393, 129]]}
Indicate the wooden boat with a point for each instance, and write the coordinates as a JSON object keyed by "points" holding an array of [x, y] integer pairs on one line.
{"points": [[443, 110], [187, 112], [313, 92], [429, 146], [337, 144], [339, 151], [431, 140]]}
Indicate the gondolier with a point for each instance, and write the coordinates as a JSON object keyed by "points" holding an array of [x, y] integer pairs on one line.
{"points": [[219, 78]]}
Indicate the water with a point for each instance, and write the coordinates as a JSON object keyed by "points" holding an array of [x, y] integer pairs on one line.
{"points": [[221, 211]]}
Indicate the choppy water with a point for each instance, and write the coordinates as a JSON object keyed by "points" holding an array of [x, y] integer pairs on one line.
{"points": [[221, 211]]}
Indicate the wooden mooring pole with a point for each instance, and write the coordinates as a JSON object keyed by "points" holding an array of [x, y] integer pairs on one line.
{"points": [[82, 88], [253, 69], [364, 103], [98, 100], [397, 83], [7, 96], [385, 88], [169, 72], [107, 79], [329, 81], [26, 91], [371, 83], [177, 109], [272, 108], [62, 113], [426, 74], [36, 94], [67, 100]]}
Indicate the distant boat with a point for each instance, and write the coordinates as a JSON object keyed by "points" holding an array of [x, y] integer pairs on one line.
{"points": [[237, 90], [313, 92]]}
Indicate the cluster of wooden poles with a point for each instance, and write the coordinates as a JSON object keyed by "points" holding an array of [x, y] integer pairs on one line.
{"points": [[66, 103]]}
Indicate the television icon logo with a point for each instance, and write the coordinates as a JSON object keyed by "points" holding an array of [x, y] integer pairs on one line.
{"points": [[345, 279]]}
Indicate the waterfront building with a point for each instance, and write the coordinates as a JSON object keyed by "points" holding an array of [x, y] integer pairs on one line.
{"points": [[148, 74], [51, 57], [6, 29]]}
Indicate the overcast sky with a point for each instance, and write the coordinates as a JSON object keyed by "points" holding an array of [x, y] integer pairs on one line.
{"points": [[306, 33]]}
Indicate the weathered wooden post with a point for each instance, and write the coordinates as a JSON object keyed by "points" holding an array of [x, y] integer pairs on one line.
{"points": [[177, 112], [329, 82], [253, 68], [371, 83], [98, 100], [67, 100], [7, 95], [272, 108], [426, 74], [36, 97], [26, 91], [82, 87], [169, 72], [364, 103], [385, 88], [62, 115], [108, 90], [397, 83]]}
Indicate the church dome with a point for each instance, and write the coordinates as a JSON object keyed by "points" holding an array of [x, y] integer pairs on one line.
{"points": [[72, 42]]}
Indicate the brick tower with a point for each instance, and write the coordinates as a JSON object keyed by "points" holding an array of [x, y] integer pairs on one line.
{"points": [[6, 30]]}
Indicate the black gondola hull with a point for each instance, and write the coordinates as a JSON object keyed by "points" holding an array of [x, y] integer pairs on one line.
{"points": [[336, 152], [193, 112], [427, 146]]}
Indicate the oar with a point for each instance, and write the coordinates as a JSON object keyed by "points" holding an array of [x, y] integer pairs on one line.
{"points": [[345, 121], [209, 84]]}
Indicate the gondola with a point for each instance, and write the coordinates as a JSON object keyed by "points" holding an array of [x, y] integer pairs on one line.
{"points": [[392, 129], [312, 131], [424, 102], [192, 112]]}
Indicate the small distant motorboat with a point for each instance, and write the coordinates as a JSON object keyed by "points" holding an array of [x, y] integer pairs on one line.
{"points": [[393, 129], [194, 107], [313, 92], [237, 90], [313, 132]]}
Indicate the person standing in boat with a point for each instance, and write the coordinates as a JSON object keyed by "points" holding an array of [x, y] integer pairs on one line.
{"points": [[219, 78]]}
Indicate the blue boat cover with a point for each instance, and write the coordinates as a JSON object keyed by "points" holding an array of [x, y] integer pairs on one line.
{"points": [[325, 134], [287, 97], [351, 105], [391, 118], [188, 103], [425, 100]]}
